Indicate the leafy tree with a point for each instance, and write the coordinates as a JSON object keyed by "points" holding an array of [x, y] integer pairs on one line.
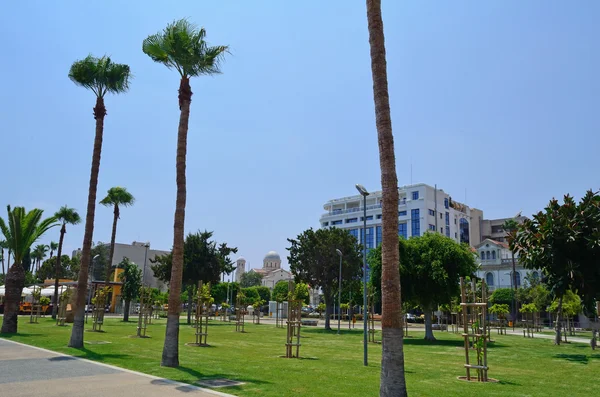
{"points": [[132, 281], [313, 260], [502, 296], [529, 308], [227, 265], [21, 230], [264, 293], [116, 198], [251, 294], [202, 262], [571, 304], [101, 76], [251, 279], [302, 292], [500, 309], [280, 291], [69, 268], [563, 240], [66, 216], [431, 268], [219, 291], [181, 46]]}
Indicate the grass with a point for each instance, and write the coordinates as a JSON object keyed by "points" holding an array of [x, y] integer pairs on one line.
{"points": [[332, 365]]}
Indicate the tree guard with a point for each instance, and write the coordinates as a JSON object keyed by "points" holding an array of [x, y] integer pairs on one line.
{"points": [[474, 313]]}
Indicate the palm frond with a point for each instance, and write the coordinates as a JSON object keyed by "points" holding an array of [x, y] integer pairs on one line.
{"points": [[100, 75], [67, 215], [181, 46], [118, 195]]}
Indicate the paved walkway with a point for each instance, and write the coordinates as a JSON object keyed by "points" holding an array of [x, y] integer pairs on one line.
{"points": [[571, 339], [29, 371]]}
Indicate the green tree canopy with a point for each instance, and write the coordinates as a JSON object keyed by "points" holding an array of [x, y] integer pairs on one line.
{"points": [[502, 296], [132, 282], [280, 291], [251, 279], [69, 269], [430, 269], [313, 260]]}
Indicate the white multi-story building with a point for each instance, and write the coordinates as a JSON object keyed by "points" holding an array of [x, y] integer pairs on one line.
{"points": [[495, 265], [422, 208]]}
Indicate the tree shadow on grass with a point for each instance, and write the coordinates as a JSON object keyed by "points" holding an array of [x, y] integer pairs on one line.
{"points": [[578, 358], [198, 376], [94, 356]]}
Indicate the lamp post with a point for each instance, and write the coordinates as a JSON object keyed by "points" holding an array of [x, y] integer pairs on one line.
{"points": [[91, 277], [339, 291], [361, 189], [139, 328]]}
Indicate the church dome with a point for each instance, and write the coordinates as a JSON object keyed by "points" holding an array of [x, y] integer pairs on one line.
{"points": [[272, 255], [241, 259]]}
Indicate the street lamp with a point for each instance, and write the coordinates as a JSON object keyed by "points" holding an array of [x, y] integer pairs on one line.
{"points": [[339, 291], [139, 328], [361, 189]]}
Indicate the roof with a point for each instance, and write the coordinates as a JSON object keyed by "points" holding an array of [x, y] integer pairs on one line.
{"points": [[489, 240]]}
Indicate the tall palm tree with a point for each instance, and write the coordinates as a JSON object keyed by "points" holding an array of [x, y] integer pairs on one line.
{"points": [[66, 216], [3, 246], [116, 197], [38, 254], [181, 46], [21, 229], [393, 382], [101, 76], [53, 247]]}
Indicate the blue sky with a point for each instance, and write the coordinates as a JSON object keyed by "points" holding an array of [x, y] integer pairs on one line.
{"points": [[497, 99]]}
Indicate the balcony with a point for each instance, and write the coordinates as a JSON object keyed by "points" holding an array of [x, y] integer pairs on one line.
{"points": [[360, 209]]}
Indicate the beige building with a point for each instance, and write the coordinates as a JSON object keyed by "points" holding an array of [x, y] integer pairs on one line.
{"points": [[271, 271], [494, 228]]}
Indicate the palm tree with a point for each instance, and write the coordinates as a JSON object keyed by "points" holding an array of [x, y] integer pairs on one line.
{"points": [[393, 382], [181, 46], [21, 229], [117, 196], [3, 246], [101, 76], [66, 216], [53, 247], [38, 255]]}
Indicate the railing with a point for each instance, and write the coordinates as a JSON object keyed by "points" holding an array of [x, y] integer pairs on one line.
{"points": [[360, 209]]}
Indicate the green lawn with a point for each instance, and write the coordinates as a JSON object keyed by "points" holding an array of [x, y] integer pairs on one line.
{"points": [[332, 365]]}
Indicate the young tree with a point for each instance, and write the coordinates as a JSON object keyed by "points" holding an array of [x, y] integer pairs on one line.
{"points": [[562, 241], [302, 293], [393, 382], [20, 229], [431, 268], [313, 260], [101, 76], [280, 291], [251, 279], [66, 216], [181, 46], [116, 198], [132, 281]]}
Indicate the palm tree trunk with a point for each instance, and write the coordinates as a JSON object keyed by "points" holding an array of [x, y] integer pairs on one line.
{"points": [[393, 382], [63, 230], [14, 283], [8, 260], [86, 249], [112, 243], [170, 355]]}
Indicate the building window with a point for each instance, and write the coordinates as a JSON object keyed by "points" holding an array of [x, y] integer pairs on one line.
{"points": [[415, 195], [493, 254], [432, 227], [415, 222], [325, 224], [354, 232], [446, 204], [351, 220], [336, 222], [432, 212], [455, 221], [464, 231], [402, 231], [379, 216], [441, 215], [378, 235], [369, 242], [447, 224], [482, 255], [402, 213], [518, 278], [442, 230], [369, 218], [487, 255], [455, 235], [489, 279]]}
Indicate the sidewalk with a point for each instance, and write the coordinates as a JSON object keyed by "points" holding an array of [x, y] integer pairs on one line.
{"points": [[30, 371], [570, 339]]}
